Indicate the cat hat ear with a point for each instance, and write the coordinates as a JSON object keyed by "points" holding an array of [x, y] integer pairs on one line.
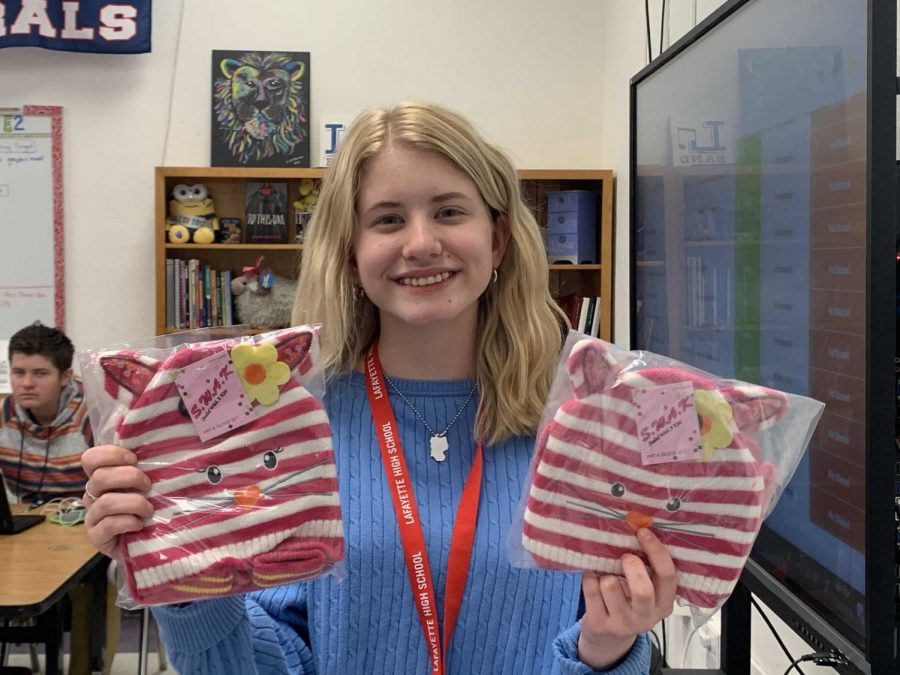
{"points": [[591, 367], [126, 374], [755, 407], [298, 347]]}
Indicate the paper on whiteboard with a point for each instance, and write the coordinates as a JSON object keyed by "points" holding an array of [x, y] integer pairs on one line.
{"points": [[5, 382]]}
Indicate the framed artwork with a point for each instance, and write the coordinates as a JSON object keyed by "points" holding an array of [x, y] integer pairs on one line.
{"points": [[260, 109]]}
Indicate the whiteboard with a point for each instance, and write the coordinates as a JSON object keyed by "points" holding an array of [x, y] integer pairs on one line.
{"points": [[31, 218], [5, 381]]}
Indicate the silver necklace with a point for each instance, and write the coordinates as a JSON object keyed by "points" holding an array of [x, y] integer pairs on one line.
{"points": [[438, 442]]}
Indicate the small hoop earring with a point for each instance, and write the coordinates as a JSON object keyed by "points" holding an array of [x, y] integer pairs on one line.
{"points": [[495, 275]]}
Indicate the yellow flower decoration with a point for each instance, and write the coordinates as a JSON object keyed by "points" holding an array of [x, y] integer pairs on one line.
{"points": [[715, 422], [260, 371]]}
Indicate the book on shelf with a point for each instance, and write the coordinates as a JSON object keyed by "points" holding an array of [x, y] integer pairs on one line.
{"points": [[583, 313], [266, 213], [170, 292], [595, 323], [709, 283], [197, 295], [589, 318], [571, 307]]}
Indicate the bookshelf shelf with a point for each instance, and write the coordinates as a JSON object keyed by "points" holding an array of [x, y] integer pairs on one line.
{"points": [[573, 268], [227, 186], [730, 243], [247, 330], [233, 247]]}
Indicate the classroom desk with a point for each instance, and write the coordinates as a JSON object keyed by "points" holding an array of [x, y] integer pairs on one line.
{"points": [[37, 569]]}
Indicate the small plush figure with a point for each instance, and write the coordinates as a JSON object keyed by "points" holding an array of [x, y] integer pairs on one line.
{"points": [[192, 215], [304, 206], [262, 298], [309, 195], [230, 232], [661, 448]]}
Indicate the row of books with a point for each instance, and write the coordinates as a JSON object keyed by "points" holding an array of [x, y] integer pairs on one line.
{"points": [[197, 296], [709, 292], [583, 313]]}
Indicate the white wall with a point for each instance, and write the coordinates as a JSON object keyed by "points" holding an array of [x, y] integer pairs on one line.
{"points": [[526, 71]]}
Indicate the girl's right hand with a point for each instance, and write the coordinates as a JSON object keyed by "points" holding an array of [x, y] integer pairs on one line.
{"points": [[114, 496]]}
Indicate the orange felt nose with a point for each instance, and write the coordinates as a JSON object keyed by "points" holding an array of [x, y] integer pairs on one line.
{"points": [[705, 424], [247, 497], [637, 520], [255, 373]]}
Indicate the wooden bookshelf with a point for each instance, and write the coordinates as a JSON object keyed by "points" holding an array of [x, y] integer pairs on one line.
{"points": [[227, 186]]}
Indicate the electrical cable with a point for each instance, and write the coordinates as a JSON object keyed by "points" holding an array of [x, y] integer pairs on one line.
{"points": [[820, 659], [647, 21], [774, 632], [36, 493], [664, 642], [687, 643], [662, 25], [64, 511], [165, 147], [655, 667]]}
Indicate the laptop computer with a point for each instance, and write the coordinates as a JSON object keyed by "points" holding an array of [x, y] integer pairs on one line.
{"points": [[13, 524]]}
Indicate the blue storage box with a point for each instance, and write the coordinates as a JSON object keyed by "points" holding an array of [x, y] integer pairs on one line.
{"points": [[572, 227]]}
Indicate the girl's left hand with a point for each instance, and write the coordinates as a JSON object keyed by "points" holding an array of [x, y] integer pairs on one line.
{"points": [[618, 608]]}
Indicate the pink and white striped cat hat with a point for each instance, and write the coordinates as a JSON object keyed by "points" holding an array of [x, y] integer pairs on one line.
{"points": [[593, 486], [252, 508]]}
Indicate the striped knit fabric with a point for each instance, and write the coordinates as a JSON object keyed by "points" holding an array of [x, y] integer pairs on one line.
{"points": [[253, 508], [44, 462], [591, 491]]}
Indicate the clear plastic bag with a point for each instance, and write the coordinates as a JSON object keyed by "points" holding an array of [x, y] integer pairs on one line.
{"points": [[254, 504], [634, 439]]}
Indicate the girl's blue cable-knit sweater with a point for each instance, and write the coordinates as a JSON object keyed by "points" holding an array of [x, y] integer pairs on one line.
{"points": [[512, 620]]}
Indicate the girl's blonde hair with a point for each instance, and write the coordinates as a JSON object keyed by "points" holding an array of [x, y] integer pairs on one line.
{"points": [[520, 327]]}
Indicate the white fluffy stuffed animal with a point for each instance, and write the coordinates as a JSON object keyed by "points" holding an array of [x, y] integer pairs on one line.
{"points": [[261, 298]]}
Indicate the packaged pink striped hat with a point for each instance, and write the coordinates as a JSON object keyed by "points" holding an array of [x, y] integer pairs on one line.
{"points": [[669, 448], [252, 507]]}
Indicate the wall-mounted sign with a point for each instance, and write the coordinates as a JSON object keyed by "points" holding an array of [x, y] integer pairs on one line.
{"points": [[86, 26]]}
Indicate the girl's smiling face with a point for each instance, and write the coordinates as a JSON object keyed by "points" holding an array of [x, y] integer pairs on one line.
{"points": [[426, 243]]}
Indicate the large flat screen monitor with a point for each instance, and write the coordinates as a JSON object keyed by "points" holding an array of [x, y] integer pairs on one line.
{"points": [[763, 231]]}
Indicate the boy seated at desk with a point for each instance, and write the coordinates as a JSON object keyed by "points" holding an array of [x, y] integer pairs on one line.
{"points": [[44, 424], [44, 428]]}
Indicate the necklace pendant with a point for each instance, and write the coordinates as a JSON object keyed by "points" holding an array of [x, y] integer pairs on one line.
{"points": [[439, 448]]}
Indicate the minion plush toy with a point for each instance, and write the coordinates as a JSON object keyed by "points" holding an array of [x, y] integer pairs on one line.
{"points": [[192, 216]]}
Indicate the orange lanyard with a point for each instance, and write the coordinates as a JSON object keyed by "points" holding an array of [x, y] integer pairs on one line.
{"points": [[411, 535]]}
